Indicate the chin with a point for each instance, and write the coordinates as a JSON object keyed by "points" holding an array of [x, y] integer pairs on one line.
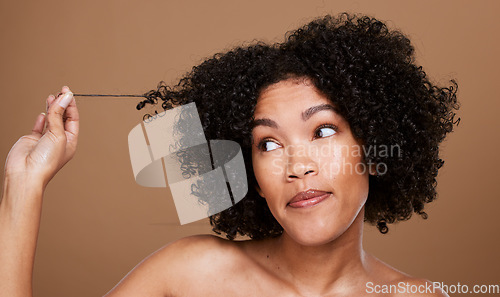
{"points": [[310, 230], [316, 234]]}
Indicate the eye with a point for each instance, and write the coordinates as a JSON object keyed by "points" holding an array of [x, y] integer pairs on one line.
{"points": [[267, 145], [325, 131]]}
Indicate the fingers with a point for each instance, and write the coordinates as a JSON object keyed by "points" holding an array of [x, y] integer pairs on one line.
{"points": [[49, 102], [66, 97], [39, 126], [37, 130], [71, 125], [56, 111]]}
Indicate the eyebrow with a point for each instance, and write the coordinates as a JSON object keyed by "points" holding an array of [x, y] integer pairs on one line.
{"points": [[264, 122], [312, 110], [307, 114]]}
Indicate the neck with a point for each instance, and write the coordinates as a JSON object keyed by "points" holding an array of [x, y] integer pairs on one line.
{"points": [[323, 268]]}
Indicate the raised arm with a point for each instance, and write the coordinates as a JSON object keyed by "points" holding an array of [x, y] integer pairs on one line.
{"points": [[31, 164]]}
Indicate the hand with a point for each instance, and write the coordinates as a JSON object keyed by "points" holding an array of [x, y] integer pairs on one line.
{"points": [[39, 155]]}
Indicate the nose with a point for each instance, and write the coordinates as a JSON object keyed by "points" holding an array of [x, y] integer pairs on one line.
{"points": [[300, 166]]}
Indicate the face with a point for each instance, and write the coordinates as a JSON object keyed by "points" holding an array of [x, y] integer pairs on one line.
{"points": [[308, 165]]}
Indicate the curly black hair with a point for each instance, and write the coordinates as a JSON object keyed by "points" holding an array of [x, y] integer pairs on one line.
{"points": [[369, 72]]}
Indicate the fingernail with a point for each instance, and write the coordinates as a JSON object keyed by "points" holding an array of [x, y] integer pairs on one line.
{"points": [[66, 99]]}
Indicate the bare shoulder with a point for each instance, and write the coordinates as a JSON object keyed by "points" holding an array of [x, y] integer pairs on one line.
{"points": [[198, 256], [392, 282], [200, 252], [204, 260]]}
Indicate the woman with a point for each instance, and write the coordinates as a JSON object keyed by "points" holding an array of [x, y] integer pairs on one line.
{"points": [[337, 126]]}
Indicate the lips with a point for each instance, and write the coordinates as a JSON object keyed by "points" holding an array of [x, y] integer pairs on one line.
{"points": [[308, 198]]}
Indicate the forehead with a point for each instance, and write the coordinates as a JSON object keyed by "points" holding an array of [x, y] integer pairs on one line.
{"points": [[288, 96]]}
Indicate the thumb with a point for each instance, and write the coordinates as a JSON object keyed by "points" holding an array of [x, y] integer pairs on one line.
{"points": [[56, 111]]}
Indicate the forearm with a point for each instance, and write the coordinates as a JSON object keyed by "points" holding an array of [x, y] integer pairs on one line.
{"points": [[20, 211]]}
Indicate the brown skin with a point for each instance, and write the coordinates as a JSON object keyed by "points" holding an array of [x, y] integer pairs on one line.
{"points": [[319, 254], [318, 153]]}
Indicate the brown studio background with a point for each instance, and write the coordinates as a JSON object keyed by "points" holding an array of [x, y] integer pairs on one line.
{"points": [[97, 223]]}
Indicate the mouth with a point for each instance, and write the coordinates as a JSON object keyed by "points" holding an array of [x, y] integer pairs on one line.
{"points": [[308, 198]]}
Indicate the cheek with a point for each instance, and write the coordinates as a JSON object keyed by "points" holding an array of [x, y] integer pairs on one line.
{"points": [[268, 171], [343, 168], [355, 181]]}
